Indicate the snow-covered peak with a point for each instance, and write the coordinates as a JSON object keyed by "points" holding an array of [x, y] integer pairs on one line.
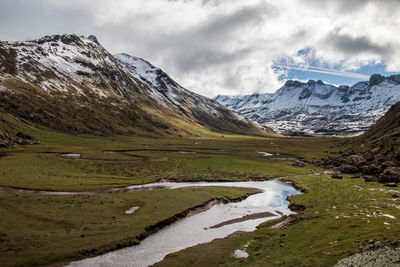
{"points": [[164, 89], [54, 61], [314, 106], [140, 68], [78, 67]]}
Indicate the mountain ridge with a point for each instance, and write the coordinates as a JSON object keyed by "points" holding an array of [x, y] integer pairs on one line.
{"points": [[320, 108], [73, 84]]}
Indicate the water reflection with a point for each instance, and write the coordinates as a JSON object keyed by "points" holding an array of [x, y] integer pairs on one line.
{"points": [[196, 229]]}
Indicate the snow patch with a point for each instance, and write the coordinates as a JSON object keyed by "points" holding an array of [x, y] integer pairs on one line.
{"points": [[71, 155], [240, 254], [389, 216], [4, 89], [265, 154], [131, 210]]}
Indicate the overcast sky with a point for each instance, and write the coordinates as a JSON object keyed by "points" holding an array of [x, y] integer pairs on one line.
{"points": [[227, 46]]}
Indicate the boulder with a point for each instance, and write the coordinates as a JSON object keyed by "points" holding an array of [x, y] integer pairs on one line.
{"points": [[369, 156], [380, 159], [298, 163], [4, 144], [391, 174], [24, 136], [336, 176], [371, 169], [370, 178], [348, 168], [388, 164], [355, 160], [397, 155]]}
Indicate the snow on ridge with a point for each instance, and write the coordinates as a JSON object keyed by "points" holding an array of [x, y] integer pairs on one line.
{"points": [[163, 87], [63, 62], [316, 106], [139, 68], [51, 62]]}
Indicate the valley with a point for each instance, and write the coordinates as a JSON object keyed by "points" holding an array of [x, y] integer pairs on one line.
{"points": [[339, 215]]}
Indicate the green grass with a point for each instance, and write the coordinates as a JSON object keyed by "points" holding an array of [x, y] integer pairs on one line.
{"points": [[37, 230], [144, 160]]}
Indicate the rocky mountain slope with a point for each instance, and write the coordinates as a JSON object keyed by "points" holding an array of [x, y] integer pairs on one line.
{"points": [[375, 154], [320, 108], [73, 84]]}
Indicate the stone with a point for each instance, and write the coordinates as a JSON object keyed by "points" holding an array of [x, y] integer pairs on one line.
{"points": [[380, 159], [298, 163], [387, 164], [336, 176], [24, 136], [4, 144], [348, 169], [369, 156], [391, 174], [370, 178], [371, 169], [397, 155], [355, 160], [395, 243]]}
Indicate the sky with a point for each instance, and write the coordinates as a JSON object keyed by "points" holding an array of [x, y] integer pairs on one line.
{"points": [[232, 47]]}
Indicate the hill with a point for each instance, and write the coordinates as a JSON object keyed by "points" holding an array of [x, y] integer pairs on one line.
{"points": [[72, 84], [375, 154]]}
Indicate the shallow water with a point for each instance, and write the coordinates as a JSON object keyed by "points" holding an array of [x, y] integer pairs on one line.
{"points": [[196, 229], [265, 154], [71, 155]]}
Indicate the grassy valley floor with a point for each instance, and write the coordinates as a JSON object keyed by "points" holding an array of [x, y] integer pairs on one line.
{"points": [[37, 230]]}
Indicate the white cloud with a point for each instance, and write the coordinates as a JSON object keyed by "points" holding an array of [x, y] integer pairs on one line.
{"points": [[325, 71], [221, 46]]}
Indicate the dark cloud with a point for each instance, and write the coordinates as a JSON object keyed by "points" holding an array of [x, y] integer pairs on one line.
{"points": [[352, 6], [204, 45], [357, 45]]}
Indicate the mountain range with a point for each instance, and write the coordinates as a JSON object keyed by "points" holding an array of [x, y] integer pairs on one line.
{"points": [[73, 84], [316, 107]]}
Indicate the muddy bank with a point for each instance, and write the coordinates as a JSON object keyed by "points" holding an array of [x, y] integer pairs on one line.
{"points": [[116, 190], [245, 218]]}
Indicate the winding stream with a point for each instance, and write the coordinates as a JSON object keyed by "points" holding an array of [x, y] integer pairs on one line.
{"points": [[219, 221]]}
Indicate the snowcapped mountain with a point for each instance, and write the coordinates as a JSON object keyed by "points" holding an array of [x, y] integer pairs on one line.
{"points": [[317, 107], [72, 83]]}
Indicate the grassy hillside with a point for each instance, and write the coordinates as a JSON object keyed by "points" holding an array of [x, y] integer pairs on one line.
{"points": [[72, 84], [384, 135]]}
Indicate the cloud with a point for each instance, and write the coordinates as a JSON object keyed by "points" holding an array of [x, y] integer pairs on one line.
{"points": [[326, 71], [223, 46], [355, 45]]}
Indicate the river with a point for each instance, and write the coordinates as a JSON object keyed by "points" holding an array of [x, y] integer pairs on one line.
{"points": [[219, 221]]}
